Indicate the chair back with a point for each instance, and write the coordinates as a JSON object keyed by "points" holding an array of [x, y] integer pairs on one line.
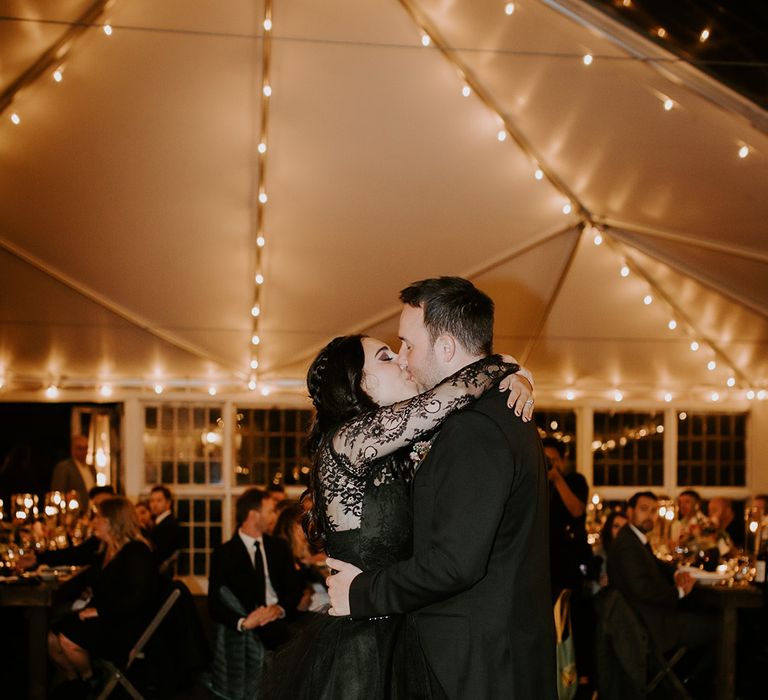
{"points": [[160, 615]]}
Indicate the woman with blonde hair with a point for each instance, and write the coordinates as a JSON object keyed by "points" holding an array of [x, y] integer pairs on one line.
{"points": [[123, 595]]}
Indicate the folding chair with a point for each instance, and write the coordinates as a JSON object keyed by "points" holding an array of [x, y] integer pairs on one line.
{"points": [[117, 675]]}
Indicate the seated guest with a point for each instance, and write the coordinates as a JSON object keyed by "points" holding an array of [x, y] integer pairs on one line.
{"points": [[166, 533], [688, 514], [730, 530], [613, 523], [653, 588], [258, 570], [124, 586], [144, 515], [761, 503]]}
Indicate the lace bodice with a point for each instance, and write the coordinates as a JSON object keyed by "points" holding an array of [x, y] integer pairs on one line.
{"points": [[368, 451]]}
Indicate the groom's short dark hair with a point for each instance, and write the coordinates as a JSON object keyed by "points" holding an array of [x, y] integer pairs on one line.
{"points": [[454, 305]]}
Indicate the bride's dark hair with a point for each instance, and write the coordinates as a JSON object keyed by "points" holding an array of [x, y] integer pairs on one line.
{"points": [[334, 382]]}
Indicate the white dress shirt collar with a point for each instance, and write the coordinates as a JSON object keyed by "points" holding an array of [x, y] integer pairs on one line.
{"points": [[640, 534]]}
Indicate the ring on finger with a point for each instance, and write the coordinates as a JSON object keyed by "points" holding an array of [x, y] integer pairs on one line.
{"points": [[529, 401]]}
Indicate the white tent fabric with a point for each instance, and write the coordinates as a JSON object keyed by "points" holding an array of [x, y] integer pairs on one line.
{"points": [[129, 207]]}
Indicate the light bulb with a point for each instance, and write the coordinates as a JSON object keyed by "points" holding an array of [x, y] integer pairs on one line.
{"points": [[255, 339], [105, 390], [694, 346], [254, 363], [761, 394], [661, 32], [425, 40], [617, 395], [15, 118], [711, 365], [587, 59], [262, 148], [624, 272], [731, 381], [260, 241], [509, 8], [743, 151], [502, 135], [212, 390], [704, 35], [647, 299], [252, 384], [263, 197], [668, 397], [682, 415], [672, 324], [58, 75], [567, 208], [255, 311], [52, 392], [715, 396], [570, 395], [107, 29], [751, 394], [259, 278], [158, 388], [668, 104], [598, 239], [267, 24], [539, 174], [267, 90], [466, 91], [265, 391]]}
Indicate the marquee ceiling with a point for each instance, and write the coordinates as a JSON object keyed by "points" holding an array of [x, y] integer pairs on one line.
{"points": [[129, 205]]}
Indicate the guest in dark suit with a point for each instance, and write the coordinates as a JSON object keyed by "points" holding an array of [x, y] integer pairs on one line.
{"points": [[124, 587], [478, 580], [258, 569], [73, 474], [166, 534], [654, 589]]}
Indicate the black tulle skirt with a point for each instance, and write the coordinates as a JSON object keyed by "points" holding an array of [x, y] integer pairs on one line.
{"points": [[336, 658]]}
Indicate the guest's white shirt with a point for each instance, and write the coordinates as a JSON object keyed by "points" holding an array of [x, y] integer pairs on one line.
{"points": [[162, 516], [85, 472]]}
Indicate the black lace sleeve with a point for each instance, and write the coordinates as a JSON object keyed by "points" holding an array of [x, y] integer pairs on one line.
{"points": [[381, 432]]}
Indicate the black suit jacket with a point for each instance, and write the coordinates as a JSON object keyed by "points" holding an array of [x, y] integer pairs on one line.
{"points": [[646, 582], [478, 579], [166, 536], [231, 567]]}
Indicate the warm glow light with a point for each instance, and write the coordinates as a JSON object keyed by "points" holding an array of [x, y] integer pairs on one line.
{"points": [[425, 40], [661, 32], [466, 91], [704, 35], [694, 346], [254, 363], [502, 135], [539, 174], [212, 390], [668, 104], [58, 75], [509, 8], [267, 24], [598, 239], [672, 324], [711, 365], [624, 272], [617, 395], [265, 391], [255, 310], [252, 385], [682, 415], [52, 392], [751, 394], [668, 397], [15, 118], [158, 388], [743, 151], [753, 526], [260, 241], [715, 396], [105, 390], [570, 395], [587, 59], [267, 90], [107, 29], [263, 197], [101, 479], [731, 381], [262, 148], [659, 429], [259, 278], [647, 299], [762, 394], [255, 340], [567, 208]]}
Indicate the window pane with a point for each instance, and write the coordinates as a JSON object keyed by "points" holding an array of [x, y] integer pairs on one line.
{"points": [[711, 449], [628, 448]]}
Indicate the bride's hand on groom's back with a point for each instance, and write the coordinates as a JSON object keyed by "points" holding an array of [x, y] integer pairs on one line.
{"points": [[520, 388]]}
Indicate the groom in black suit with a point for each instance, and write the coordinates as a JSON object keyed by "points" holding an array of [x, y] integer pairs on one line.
{"points": [[478, 580], [258, 569]]}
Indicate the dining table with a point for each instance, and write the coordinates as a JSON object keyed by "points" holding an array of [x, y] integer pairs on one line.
{"points": [[36, 594], [726, 600]]}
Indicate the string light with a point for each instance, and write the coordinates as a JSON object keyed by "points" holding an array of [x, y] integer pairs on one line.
{"points": [[425, 39], [567, 208], [731, 381], [624, 272], [255, 311], [466, 90], [661, 33], [252, 384], [15, 118], [647, 300], [743, 151], [262, 148], [58, 74], [254, 363], [255, 339], [267, 24], [265, 391], [260, 241], [158, 388], [668, 397], [704, 35], [539, 174], [715, 396], [694, 346], [672, 324], [52, 392], [212, 390], [509, 8], [105, 390], [617, 395], [587, 60], [107, 29], [570, 395], [263, 197], [711, 365], [502, 135], [762, 394], [598, 239], [267, 90], [668, 104], [751, 394], [259, 278]]}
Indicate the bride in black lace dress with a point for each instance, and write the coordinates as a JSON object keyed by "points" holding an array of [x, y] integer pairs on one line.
{"points": [[370, 432]]}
